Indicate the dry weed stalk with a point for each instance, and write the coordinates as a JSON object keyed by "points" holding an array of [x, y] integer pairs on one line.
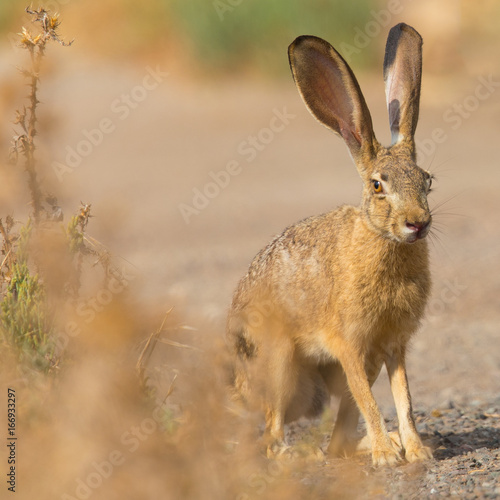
{"points": [[145, 355], [26, 118], [151, 343], [40, 265]]}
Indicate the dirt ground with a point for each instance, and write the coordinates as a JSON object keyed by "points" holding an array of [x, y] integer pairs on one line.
{"points": [[149, 172], [151, 178]]}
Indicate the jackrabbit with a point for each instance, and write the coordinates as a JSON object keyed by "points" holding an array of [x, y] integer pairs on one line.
{"points": [[336, 296]]}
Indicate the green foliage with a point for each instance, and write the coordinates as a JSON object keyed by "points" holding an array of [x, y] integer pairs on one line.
{"points": [[230, 36], [23, 312], [23, 242], [224, 35]]}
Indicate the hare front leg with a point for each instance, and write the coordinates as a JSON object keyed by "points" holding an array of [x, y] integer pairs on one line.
{"points": [[414, 449], [384, 451]]}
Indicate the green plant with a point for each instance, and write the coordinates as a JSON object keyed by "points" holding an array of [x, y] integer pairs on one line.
{"points": [[24, 319], [232, 35]]}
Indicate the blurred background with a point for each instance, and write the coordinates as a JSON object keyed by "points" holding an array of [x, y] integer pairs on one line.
{"points": [[180, 123], [221, 72]]}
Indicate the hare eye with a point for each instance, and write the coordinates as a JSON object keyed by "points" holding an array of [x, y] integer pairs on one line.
{"points": [[377, 186]]}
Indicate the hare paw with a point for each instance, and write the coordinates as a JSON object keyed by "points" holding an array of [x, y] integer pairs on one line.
{"points": [[418, 453], [364, 445], [386, 456], [277, 449], [308, 453]]}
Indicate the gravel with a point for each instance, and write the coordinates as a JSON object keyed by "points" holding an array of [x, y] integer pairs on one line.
{"points": [[466, 464]]}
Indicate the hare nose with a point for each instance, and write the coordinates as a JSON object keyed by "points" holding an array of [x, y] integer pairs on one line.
{"points": [[418, 227]]}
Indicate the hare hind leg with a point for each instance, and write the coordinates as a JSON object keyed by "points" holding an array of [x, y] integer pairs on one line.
{"points": [[298, 389], [344, 438], [279, 376], [344, 434]]}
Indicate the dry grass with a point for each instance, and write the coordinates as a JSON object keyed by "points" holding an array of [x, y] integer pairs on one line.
{"points": [[93, 432]]}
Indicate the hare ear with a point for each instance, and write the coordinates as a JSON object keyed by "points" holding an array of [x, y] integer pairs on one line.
{"points": [[331, 93], [402, 77]]}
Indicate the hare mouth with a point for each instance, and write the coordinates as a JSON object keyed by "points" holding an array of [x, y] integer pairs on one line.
{"points": [[415, 236], [412, 238], [415, 231]]}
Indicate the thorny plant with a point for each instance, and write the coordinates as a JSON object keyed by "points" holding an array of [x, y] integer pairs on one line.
{"points": [[26, 118], [26, 318]]}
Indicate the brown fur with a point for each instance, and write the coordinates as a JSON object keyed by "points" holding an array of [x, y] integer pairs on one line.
{"points": [[336, 296]]}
